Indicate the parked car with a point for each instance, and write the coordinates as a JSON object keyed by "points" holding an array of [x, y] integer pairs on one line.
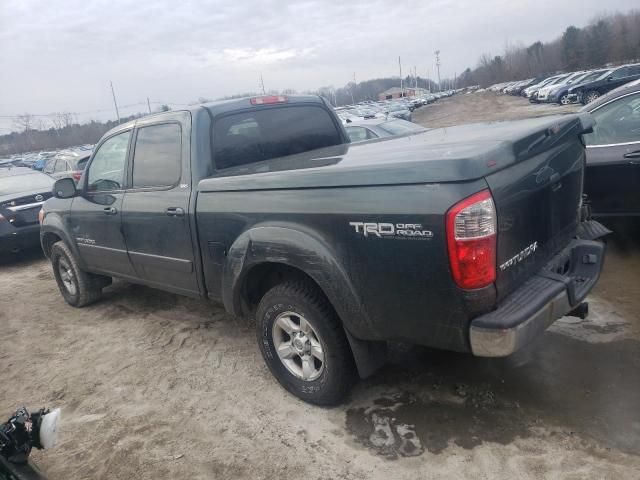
{"points": [[68, 164], [447, 240], [381, 128], [588, 92], [22, 193], [535, 87], [397, 110], [41, 160], [533, 93], [561, 93], [612, 178], [545, 92]]}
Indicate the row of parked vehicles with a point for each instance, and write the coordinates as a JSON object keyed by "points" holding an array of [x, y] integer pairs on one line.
{"points": [[371, 120], [583, 86]]}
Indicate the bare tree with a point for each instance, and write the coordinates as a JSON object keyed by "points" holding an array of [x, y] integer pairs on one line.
{"points": [[24, 122]]}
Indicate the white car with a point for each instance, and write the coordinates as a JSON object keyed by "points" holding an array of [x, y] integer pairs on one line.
{"points": [[545, 92]]}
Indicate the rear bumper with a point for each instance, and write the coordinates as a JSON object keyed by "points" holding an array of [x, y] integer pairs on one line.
{"points": [[555, 291], [14, 239]]}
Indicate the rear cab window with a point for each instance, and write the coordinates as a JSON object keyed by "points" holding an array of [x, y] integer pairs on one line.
{"points": [[262, 134]]}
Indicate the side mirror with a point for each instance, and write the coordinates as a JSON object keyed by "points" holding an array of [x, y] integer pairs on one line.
{"points": [[609, 79], [64, 188]]}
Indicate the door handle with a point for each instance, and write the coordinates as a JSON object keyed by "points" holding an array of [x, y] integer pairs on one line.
{"points": [[635, 154], [110, 210], [174, 212]]}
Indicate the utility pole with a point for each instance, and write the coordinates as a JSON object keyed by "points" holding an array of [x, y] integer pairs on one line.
{"points": [[353, 102], [401, 87], [415, 77], [149, 104], [262, 84], [437, 53], [114, 101]]}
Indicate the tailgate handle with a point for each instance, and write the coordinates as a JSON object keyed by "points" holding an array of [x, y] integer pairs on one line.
{"points": [[556, 184], [635, 154]]}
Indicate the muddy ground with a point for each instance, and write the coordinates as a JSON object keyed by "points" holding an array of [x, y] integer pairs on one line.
{"points": [[154, 386]]}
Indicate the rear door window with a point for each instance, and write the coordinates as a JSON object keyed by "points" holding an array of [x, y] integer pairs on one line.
{"points": [[157, 156], [249, 137], [61, 166]]}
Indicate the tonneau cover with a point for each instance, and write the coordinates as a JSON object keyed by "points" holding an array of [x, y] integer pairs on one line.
{"points": [[454, 154]]}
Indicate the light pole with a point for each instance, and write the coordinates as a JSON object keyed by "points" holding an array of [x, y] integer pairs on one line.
{"points": [[437, 53]]}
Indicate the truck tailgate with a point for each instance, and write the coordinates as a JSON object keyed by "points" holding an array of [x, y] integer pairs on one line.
{"points": [[538, 202]]}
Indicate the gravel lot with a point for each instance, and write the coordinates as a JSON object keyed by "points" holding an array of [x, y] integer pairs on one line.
{"points": [[153, 385]]}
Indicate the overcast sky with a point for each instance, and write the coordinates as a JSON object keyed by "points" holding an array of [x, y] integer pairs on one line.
{"points": [[59, 55]]}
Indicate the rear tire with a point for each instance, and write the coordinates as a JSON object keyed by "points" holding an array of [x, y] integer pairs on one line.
{"points": [[78, 288], [303, 343], [564, 99]]}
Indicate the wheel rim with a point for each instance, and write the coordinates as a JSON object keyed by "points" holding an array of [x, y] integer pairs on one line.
{"points": [[298, 346], [592, 96], [66, 276], [564, 100]]}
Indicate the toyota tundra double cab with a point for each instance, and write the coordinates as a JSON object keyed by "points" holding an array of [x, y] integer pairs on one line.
{"points": [[472, 239]]}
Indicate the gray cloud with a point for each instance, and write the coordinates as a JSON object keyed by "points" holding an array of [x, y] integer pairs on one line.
{"points": [[60, 55]]}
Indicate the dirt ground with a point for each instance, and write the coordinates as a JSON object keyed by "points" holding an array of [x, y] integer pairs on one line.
{"points": [[155, 386], [483, 107]]}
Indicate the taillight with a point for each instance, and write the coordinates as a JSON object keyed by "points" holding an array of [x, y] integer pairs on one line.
{"points": [[41, 216], [268, 99], [76, 175], [471, 241]]}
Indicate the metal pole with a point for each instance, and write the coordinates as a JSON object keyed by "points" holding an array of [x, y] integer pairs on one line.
{"points": [[401, 87], [437, 52], [262, 84], [114, 101], [149, 104], [353, 102]]}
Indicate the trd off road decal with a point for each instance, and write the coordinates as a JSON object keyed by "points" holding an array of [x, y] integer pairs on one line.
{"points": [[392, 230]]}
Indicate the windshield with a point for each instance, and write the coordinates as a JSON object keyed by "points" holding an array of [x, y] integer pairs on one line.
{"points": [[10, 185]]}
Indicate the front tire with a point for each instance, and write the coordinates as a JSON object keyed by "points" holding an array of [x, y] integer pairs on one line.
{"points": [[77, 287], [303, 343], [590, 96]]}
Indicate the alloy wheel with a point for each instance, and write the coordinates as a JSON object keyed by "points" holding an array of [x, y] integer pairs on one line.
{"points": [[298, 346], [67, 277]]}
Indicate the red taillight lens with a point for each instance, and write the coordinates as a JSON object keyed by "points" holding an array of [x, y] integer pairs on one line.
{"points": [[471, 241], [269, 99], [77, 175]]}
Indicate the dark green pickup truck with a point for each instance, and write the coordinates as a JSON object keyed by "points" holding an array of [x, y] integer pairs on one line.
{"points": [[471, 238]]}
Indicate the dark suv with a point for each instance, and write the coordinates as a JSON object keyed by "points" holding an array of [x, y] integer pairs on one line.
{"points": [[588, 92]]}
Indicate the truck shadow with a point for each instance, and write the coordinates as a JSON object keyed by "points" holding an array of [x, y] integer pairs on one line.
{"points": [[426, 400]]}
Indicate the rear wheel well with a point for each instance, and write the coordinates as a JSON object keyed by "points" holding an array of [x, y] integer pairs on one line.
{"points": [[48, 239], [262, 278]]}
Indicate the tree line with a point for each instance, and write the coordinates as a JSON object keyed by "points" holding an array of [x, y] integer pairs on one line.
{"points": [[611, 39]]}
